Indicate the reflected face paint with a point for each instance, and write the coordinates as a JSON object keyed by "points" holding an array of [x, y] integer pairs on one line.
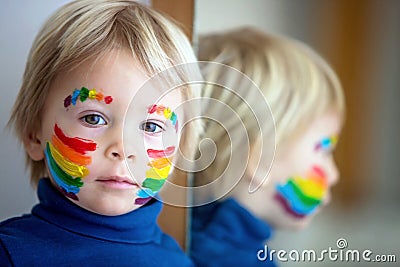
{"points": [[156, 175], [160, 161], [301, 196], [327, 144], [67, 160]]}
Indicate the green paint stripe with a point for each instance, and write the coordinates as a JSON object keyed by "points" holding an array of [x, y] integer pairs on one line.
{"points": [[304, 198], [68, 179], [153, 184]]}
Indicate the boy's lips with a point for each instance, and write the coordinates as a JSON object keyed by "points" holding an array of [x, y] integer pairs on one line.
{"points": [[118, 182]]}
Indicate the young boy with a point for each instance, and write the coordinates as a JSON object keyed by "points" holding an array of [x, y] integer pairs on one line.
{"points": [[96, 207], [307, 105]]}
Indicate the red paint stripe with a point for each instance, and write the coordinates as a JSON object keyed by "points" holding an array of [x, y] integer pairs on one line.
{"points": [[319, 171], [161, 153], [152, 109], [80, 145]]}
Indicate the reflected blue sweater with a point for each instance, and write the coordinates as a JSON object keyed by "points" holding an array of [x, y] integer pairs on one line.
{"points": [[226, 234], [60, 233]]}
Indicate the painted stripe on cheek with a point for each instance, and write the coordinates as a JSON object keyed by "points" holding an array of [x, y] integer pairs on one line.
{"points": [[68, 183], [66, 163], [70, 168], [153, 153], [157, 175], [70, 153], [303, 195], [80, 145]]}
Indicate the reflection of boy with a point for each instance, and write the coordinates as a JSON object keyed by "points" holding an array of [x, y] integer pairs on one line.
{"points": [[86, 64], [307, 103]]}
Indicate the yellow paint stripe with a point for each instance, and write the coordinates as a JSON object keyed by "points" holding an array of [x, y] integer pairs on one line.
{"points": [[310, 188], [158, 173], [69, 167]]}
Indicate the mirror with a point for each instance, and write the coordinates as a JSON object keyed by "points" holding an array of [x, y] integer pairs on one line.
{"points": [[357, 39]]}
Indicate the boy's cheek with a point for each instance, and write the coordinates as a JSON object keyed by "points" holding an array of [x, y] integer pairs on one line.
{"points": [[67, 160], [158, 170], [306, 191]]}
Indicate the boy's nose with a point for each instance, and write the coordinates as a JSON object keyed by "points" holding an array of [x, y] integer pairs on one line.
{"points": [[116, 152], [119, 156], [333, 174]]}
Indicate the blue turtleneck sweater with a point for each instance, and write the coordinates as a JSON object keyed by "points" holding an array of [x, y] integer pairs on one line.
{"points": [[60, 233], [226, 234]]}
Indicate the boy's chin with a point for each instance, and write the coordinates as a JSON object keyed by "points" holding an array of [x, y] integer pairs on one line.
{"points": [[297, 224], [108, 208], [283, 220]]}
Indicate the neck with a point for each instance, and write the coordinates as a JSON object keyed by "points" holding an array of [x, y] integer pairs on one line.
{"points": [[250, 201]]}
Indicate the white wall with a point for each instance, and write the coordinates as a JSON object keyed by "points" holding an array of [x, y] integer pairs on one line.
{"points": [[273, 16], [211, 15], [20, 21]]}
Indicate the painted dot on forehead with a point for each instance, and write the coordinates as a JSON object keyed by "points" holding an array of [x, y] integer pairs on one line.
{"points": [[83, 94], [166, 112], [327, 143]]}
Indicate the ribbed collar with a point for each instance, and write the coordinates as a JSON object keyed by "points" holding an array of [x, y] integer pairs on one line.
{"points": [[138, 226], [228, 220]]}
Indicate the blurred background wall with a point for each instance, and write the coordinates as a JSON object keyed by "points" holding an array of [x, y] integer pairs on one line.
{"points": [[361, 40], [19, 22]]}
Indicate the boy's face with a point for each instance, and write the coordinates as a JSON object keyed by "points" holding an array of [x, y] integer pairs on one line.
{"points": [[82, 139], [301, 176]]}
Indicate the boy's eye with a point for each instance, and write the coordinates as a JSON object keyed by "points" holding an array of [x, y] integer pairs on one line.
{"points": [[151, 127], [94, 119]]}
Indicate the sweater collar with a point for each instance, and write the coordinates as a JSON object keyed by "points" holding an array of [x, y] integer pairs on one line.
{"points": [[138, 226], [231, 222]]}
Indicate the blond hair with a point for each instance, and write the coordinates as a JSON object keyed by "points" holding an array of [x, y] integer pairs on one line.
{"points": [[295, 81], [88, 29]]}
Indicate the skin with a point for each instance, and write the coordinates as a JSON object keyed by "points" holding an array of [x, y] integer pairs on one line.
{"points": [[119, 75], [295, 158]]}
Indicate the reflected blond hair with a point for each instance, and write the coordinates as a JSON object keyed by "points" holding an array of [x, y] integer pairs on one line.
{"points": [[88, 29], [297, 83]]}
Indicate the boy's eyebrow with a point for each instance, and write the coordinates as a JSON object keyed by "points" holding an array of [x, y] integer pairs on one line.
{"points": [[83, 94], [327, 142], [166, 112]]}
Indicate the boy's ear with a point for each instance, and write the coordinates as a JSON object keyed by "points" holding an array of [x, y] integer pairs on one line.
{"points": [[33, 146]]}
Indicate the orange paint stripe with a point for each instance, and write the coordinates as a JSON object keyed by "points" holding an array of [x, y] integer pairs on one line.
{"points": [[317, 175], [70, 153], [320, 181], [160, 163]]}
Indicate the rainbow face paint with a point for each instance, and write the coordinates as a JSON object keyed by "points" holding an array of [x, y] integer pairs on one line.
{"points": [[327, 144], [83, 94], [67, 161], [301, 196], [160, 160], [157, 175], [166, 113]]}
